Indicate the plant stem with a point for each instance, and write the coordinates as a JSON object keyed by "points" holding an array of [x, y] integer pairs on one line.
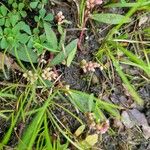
{"points": [[83, 29]]}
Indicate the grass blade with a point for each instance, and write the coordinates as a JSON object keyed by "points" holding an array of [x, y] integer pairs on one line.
{"points": [[132, 91]]}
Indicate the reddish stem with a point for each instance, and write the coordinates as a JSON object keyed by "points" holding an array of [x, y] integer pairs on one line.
{"points": [[83, 29]]}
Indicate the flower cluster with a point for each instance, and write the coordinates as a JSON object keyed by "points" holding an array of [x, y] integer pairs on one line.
{"points": [[49, 74], [30, 76], [100, 128], [60, 17], [89, 66], [41, 60], [90, 4]]}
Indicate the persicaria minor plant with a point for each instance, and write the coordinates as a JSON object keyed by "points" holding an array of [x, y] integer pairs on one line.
{"points": [[107, 18]]}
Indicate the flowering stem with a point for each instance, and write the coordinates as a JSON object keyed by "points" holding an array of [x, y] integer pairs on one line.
{"points": [[82, 31]]}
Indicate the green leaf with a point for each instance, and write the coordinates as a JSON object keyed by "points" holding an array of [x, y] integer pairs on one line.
{"points": [[7, 95], [2, 21], [33, 4], [10, 1], [30, 43], [1, 31], [49, 17], [36, 31], [71, 56], [10, 40], [31, 132], [62, 38], [63, 55], [42, 46], [21, 54], [80, 100], [23, 38], [91, 140], [21, 6], [51, 36], [23, 14], [4, 43], [8, 31], [109, 18], [80, 130], [14, 5], [36, 18], [91, 102], [3, 10], [42, 12], [26, 28], [16, 29], [14, 19], [7, 23], [125, 80]]}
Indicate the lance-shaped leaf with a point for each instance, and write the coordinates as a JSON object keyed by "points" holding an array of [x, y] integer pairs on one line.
{"points": [[110, 18]]}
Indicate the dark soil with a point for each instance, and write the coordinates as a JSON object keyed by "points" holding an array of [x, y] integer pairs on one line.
{"points": [[129, 138]]}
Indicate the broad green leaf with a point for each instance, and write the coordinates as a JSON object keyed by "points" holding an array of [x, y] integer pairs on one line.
{"points": [[2, 21], [44, 46], [18, 27], [71, 56], [63, 55], [23, 38], [79, 131], [10, 40], [23, 14], [26, 28], [36, 18], [21, 6], [10, 1], [21, 54], [3, 10], [7, 31], [33, 4], [4, 43], [7, 23], [80, 100], [42, 39], [49, 17], [51, 36], [14, 19], [109, 18], [42, 12], [15, 5]]}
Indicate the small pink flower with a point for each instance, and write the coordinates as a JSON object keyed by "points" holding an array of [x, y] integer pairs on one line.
{"points": [[103, 128], [98, 2], [90, 4]]}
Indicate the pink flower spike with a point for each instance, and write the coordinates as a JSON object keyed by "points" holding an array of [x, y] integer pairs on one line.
{"points": [[105, 127], [98, 2]]}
